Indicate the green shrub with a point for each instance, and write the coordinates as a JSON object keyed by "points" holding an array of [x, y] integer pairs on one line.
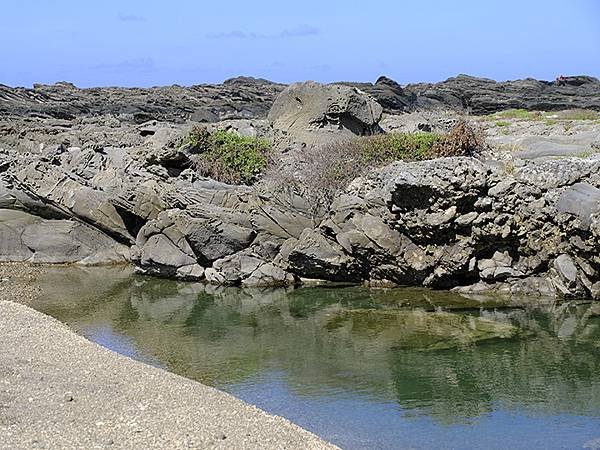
{"points": [[383, 148], [502, 123], [519, 114], [226, 156]]}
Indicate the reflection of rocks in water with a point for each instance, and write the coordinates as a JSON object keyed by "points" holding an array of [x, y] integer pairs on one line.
{"points": [[321, 345], [248, 300], [542, 373], [417, 329], [174, 302], [357, 341], [170, 302], [552, 371], [73, 292]]}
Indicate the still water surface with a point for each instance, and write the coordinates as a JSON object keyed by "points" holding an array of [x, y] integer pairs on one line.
{"points": [[396, 368]]}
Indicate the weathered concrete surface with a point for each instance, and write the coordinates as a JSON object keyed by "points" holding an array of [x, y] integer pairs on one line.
{"points": [[59, 390]]}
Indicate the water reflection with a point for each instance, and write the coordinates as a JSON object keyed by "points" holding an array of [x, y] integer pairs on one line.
{"points": [[446, 357]]}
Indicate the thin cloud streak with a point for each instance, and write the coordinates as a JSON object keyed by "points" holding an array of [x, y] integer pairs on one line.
{"points": [[299, 31], [123, 17]]}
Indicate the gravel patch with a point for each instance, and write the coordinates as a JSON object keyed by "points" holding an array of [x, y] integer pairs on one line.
{"points": [[59, 390]]}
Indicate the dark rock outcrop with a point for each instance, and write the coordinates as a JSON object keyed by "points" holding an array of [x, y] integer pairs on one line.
{"points": [[453, 222], [237, 98], [250, 98], [96, 188], [485, 96]]}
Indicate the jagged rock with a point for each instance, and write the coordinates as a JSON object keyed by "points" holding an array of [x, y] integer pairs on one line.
{"points": [[269, 274], [428, 195], [176, 240], [248, 268], [497, 267], [248, 98], [237, 98], [214, 239], [314, 256], [565, 267], [484, 96], [160, 255], [388, 93], [310, 113], [120, 179]]}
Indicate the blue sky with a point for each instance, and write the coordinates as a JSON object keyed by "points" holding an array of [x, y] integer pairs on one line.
{"points": [[145, 43]]}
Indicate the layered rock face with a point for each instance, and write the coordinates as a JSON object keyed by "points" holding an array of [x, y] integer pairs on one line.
{"points": [[440, 223], [25, 237], [466, 223]]}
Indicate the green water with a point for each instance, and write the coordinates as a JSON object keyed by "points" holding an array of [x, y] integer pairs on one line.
{"points": [[396, 368]]}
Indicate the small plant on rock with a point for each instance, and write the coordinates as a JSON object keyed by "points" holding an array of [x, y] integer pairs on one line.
{"points": [[463, 140], [226, 156]]}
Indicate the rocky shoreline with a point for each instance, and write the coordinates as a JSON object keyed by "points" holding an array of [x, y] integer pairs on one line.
{"points": [[82, 182]]}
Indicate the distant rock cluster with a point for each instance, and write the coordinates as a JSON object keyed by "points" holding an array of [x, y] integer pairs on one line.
{"points": [[250, 98]]}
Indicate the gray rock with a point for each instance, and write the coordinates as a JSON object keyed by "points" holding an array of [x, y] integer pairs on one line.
{"points": [[159, 250], [269, 274], [566, 268], [28, 238], [311, 113], [582, 200], [214, 239], [314, 256], [95, 181], [237, 98], [245, 98]]}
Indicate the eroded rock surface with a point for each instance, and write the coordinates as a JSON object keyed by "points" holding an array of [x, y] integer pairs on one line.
{"points": [[237, 98], [309, 113], [485, 96], [98, 189]]}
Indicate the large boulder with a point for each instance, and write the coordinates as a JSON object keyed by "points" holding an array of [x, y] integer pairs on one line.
{"points": [[388, 93], [179, 244], [312, 113], [28, 238]]}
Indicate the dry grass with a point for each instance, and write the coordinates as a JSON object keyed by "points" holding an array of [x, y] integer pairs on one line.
{"points": [[326, 170], [579, 114]]}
